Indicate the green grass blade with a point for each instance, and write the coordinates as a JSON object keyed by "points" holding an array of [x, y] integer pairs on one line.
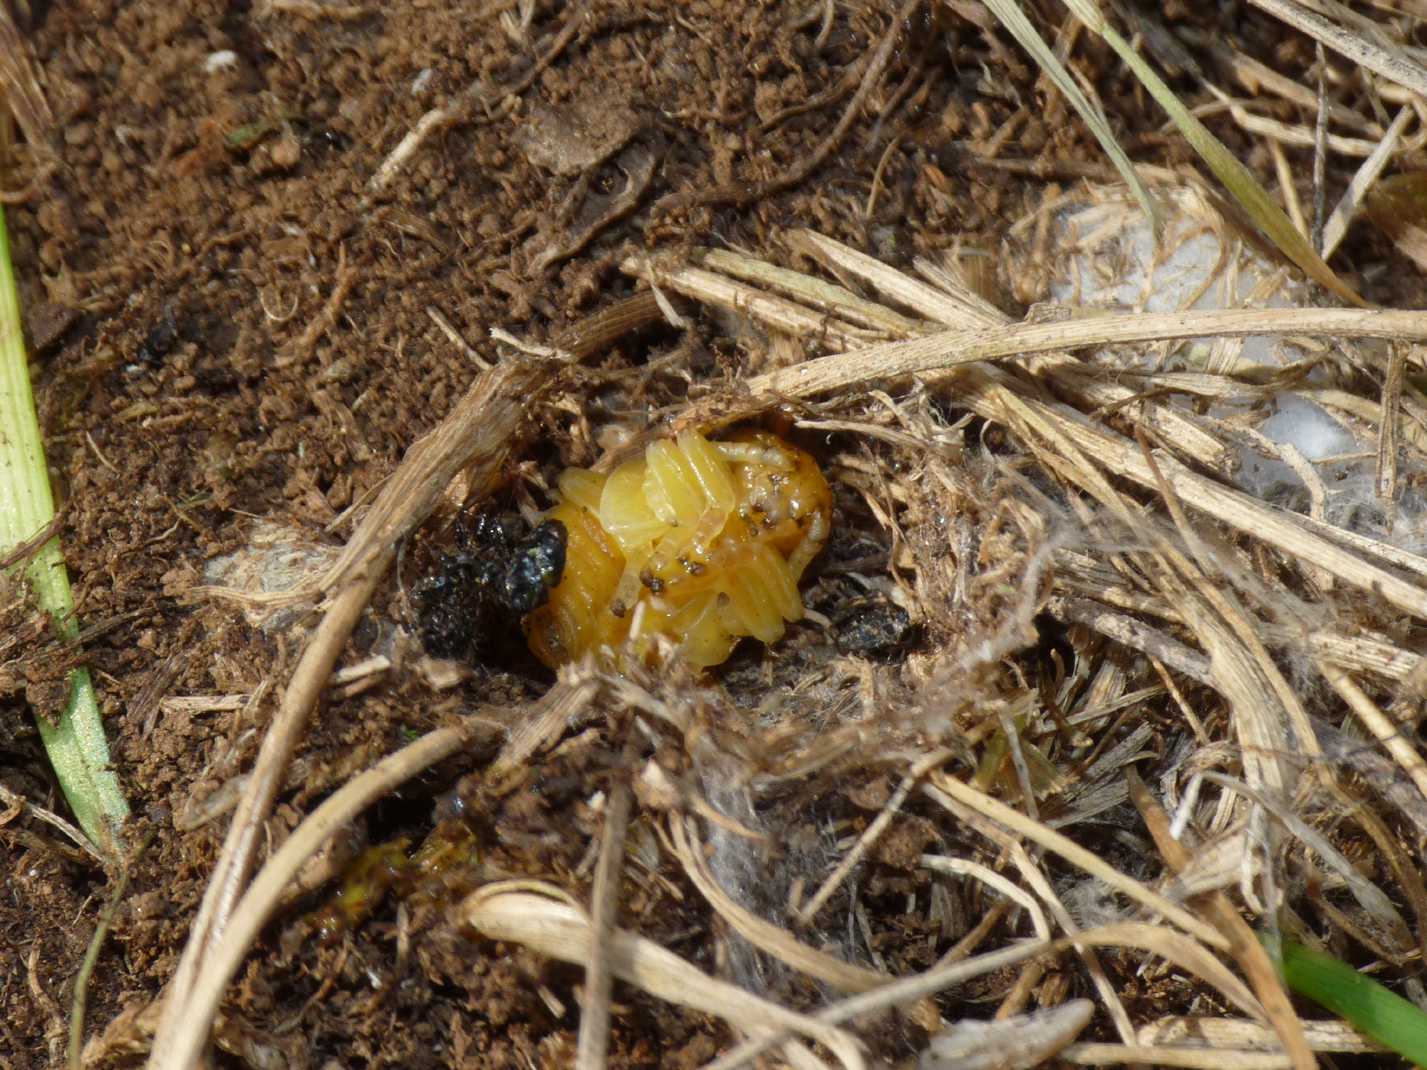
{"points": [[1236, 178], [74, 736], [1359, 1000], [1014, 20]]}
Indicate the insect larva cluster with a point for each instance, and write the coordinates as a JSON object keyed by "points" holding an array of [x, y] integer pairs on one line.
{"points": [[702, 542]]}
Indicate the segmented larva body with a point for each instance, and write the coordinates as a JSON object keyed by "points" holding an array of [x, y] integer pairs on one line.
{"points": [[703, 542]]}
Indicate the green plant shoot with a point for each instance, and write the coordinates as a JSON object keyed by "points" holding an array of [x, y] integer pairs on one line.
{"points": [[74, 735]]}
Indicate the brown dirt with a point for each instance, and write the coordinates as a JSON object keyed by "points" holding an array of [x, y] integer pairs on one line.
{"points": [[175, 271]]}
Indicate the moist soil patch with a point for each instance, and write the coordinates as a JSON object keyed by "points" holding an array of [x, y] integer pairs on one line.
{"points": [[242, 312]]}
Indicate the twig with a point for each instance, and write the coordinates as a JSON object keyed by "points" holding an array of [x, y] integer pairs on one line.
{"points": [[476, 93], [744, 194], [1243, 944], [302, 348], [873, 832], [593, 1045], [14, 798], [182, 1047], [439, 318], [479, 432]]}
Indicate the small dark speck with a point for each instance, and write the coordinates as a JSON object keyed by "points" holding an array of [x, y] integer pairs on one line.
{"points": [[333, 139], [159, 341], [874, 627]]}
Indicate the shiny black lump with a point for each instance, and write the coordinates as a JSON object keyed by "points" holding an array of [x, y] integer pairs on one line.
{"points": [[479, 592]]}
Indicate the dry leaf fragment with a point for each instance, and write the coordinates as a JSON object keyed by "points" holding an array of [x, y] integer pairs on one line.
{"points": [[1017, 1043]]}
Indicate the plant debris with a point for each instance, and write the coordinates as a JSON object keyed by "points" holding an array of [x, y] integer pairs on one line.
{"points": [[1108, 664]]}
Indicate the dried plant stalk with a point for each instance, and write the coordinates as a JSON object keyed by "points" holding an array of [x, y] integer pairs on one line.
{"points": [[479, 433], [511, 911]]}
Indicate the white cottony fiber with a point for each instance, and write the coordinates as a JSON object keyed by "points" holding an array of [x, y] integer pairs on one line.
{"points": [[1116, 265]]}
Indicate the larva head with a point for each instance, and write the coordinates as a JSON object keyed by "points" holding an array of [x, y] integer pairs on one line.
{"points": [[496, 573], [535, 566], [576, 616]]}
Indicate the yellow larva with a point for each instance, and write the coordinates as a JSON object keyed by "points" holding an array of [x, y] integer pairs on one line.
{"points": [[702, 542]]}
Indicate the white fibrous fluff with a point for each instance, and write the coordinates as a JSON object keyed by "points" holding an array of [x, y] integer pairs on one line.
{"points": [[1292, 449]]}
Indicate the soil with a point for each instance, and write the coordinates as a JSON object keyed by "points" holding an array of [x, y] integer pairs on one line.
{"points": [[233, 328]]}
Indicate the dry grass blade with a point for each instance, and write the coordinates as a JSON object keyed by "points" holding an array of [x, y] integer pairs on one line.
{"points": [[949, 349], [764, 934], [1014, 20], [1390, 423], [510, 911], [265, 894], [1261, 701], [1369, 896], [1160, 1055], [940, 306], [1133, 633], [1388, 733], [19, 804], [1072, 852], [578, 686], [1178, 949], [775, 311], [592, 1047], [1336, 228], [1260, 207], [1334, 1035], [478, 433], [1286, 531], [808, 910], [963, 867], [1394, 64], [1189, 576], [952, 305], [1244, 946], [476, 437], [910, 989], [1355, 653], [20, 84], [824, 296], [899, 993], [992, 396]]}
